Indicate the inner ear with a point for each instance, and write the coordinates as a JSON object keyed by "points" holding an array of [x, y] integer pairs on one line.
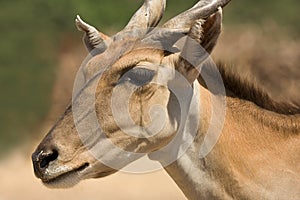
{"points": [[201, 40], [212, 28], [207, 32]]}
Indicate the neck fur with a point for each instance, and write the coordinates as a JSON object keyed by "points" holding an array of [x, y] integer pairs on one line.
{"points": [[251, 159]]}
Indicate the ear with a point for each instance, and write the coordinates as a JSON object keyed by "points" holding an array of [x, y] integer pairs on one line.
{"points": [[201, 40], [92, 37], [211, 31]]}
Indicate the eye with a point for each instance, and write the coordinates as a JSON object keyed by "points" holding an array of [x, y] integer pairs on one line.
{"points": [[138, 76]]}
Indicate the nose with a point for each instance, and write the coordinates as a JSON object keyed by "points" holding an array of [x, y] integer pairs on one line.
{"points": [[41, 160]]}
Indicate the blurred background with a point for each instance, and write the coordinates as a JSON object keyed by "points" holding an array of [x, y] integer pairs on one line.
{"points": [[41, 50]]}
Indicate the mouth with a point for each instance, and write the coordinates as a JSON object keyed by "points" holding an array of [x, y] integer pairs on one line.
{"points": [[67, 179], [104, 174]]}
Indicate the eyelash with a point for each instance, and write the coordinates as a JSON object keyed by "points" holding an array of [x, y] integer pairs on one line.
{"points": [[138, 76]]}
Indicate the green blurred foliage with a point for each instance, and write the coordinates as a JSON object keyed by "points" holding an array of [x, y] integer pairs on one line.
{"points": [[283, 13], [31, 33]]}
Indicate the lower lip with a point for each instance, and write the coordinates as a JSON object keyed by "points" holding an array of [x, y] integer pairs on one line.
{"points": [[81, 168]]}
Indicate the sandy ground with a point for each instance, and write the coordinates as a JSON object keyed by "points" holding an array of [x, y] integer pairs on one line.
{"points": [[17, 182]]}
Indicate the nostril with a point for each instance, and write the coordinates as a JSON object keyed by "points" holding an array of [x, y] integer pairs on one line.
{"points": [[47, 157]]}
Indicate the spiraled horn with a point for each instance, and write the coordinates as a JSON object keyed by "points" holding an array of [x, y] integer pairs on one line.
{"points": [[92, 37], [148, 15], [202, 10]]}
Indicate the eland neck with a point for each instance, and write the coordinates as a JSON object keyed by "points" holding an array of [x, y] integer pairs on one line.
{"points": [[252, 158]]}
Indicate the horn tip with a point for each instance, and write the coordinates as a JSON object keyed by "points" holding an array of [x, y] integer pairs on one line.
{"points": [[78, 17]]}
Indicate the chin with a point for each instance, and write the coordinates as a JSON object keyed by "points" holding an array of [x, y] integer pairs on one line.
{"points": [[67, 180], [72, 178]]}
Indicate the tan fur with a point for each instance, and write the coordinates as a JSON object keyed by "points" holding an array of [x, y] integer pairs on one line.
{"points": [[253, 160], [256, 157]]}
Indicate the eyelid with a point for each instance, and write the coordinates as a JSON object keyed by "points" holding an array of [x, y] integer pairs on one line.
{"points": [[138, 76], [141, 71]]}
